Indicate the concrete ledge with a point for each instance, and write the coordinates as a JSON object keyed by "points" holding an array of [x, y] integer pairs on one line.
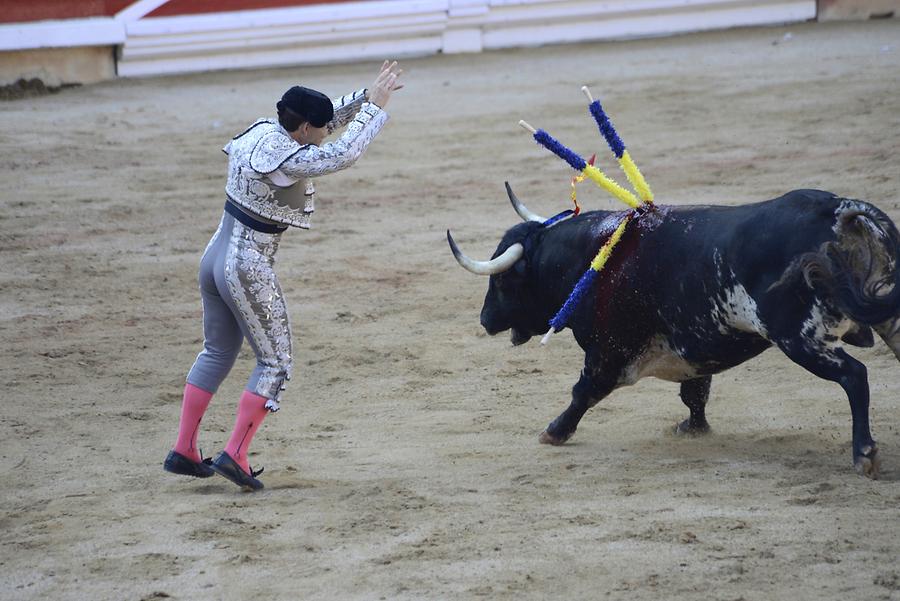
{"points": [[59, 66], [837, 10]]}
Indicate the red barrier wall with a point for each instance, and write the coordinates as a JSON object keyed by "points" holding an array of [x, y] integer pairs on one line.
{"points": [[193, 7], [21, 11]]}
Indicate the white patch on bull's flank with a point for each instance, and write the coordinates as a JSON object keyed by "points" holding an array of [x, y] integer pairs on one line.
{"points": [[734, 308], [822, 333], [658, 360]]}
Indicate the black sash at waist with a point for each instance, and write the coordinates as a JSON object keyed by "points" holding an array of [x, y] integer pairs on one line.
{"points": [[259, 226]]}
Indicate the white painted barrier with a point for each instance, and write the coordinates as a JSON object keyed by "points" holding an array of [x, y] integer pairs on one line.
{"points": [[373, 30], [354, 31], [68, 33]]}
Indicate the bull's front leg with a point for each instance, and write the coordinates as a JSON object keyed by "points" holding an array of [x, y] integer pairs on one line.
{"points": [[591, 388]]}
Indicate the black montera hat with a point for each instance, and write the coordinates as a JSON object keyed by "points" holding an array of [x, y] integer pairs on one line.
{"points": [[313, 106]]}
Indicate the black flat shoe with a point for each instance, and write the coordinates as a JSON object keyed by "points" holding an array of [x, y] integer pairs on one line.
{"points": [[179, 464], [225, 466]]}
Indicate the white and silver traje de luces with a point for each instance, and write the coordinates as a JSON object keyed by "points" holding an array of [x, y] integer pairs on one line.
{"points": [[269, 173]]}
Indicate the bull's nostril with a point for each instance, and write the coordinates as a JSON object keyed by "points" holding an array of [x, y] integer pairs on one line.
{"points": [[490, 330]]}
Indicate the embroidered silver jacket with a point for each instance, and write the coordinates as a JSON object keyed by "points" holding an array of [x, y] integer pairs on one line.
{"points": [[270, 174]]}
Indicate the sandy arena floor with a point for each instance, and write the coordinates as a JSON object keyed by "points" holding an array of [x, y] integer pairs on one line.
{"points": [[405, 464]]}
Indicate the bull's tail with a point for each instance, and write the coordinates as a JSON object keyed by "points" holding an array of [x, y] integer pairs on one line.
{"points": [[859, 271]]}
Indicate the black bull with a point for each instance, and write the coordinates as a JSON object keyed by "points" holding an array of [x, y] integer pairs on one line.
{"points": [[691, 291]]}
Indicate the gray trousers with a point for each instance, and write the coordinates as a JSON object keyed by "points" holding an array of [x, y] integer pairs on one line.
{"points": [[242, 299]]}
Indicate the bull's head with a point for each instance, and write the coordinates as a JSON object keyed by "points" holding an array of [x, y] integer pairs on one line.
{"points": [[510, 301]]}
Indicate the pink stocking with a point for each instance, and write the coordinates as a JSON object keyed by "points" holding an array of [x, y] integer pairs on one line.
{"points": [[251, 412], [194, 405]]}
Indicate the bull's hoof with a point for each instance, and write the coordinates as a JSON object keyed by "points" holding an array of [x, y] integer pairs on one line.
{"points": [[869, 464], [686, 428], [547, 438]]}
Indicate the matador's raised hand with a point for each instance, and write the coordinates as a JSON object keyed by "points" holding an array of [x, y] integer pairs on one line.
{"points": [[385, 84]]}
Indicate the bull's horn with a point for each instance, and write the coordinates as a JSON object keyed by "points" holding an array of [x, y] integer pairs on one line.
{"points": [[494, 266], [521, 209]]}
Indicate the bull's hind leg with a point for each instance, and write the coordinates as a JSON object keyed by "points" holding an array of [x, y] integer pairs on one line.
{"points": [[836, 365], [890, 333], [590, 390], [694, 394]]}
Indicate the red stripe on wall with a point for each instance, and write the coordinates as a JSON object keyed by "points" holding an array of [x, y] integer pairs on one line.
{"points": [[195, 7], [21, 11]]}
